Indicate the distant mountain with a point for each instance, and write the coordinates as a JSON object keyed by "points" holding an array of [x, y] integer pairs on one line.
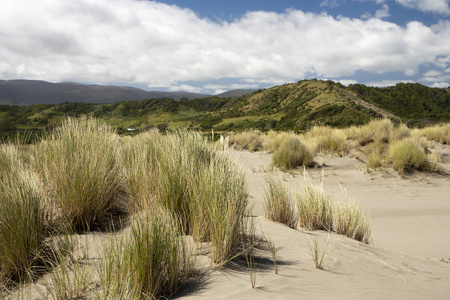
{"points": [[28, 92], [235, 93]]}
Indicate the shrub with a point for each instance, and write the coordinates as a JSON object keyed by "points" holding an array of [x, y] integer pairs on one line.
{"points": [[292, 153], [22, 217], [80, 166], [152, 262], [407, 155], [278, 203]]}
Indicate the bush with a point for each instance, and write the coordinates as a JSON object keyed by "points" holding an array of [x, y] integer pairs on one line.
{"points": [[292, 153], [278, 203]]}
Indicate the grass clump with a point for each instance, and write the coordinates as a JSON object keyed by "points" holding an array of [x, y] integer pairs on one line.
{"points": [[315, 209], [152, 262], [292, 153], [350, 221], [248, 139], [219, 208], [22, 218], [80, 167], [407, 155], [278, 205], [181, 172], [328, 140], [437, 133]]}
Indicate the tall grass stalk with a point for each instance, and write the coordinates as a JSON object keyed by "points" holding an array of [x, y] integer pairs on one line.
{"points": [[81, 170], [22, 218], [152, 262], [278, 203], [317, 254]]}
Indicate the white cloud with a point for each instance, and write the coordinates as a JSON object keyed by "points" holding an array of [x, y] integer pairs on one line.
{"points": [[146, 42], [330, 3], [382, 13], [346, 82], [385, 83], [435, 6], [440, 84]]}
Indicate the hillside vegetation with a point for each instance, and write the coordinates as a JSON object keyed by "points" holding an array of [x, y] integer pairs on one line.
{"points": [[297, 106]]}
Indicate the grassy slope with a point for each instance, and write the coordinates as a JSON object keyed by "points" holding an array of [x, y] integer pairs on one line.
{"points": [[295, 106]]}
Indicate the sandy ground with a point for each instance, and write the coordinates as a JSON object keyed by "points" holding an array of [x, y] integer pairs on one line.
{"points": [[410, 220]]}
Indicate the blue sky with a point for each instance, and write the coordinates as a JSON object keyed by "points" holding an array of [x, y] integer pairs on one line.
{"points": [[213, 46]]}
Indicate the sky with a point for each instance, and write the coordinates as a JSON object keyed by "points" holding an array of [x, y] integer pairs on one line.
{"points": [[207, 46]]}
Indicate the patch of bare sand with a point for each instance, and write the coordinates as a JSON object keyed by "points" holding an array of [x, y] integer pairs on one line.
{"points": [[411, 221]]}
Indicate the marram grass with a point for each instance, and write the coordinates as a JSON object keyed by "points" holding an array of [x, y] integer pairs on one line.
{"points": [[291, 153], [80, 167], [22, 218], [278, 203], [152, 262]]}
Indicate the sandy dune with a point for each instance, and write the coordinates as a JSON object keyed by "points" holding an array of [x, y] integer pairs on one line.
{"points": [[410, 218]]}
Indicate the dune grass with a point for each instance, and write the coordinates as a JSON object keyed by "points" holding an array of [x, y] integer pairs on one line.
{"points": [[81, 171], [292, 153], [278, 203], [22, 218], [327, 140], [437, 133], [152, 262], [248, 139], [315, 209], [407, 155], [203, 188], [350, 220]]}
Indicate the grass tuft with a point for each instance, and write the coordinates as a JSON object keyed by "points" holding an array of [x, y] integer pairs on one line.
{"points": [[22, 218], [291, 153], [152, 262], [407, 155], [278, 204], [81, 171]]}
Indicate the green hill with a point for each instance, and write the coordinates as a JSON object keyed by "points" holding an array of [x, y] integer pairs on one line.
{"points": [[295, 106]]}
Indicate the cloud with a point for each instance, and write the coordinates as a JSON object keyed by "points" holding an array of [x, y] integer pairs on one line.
{"points": [[382, 13], [330, 3], [165, 46], [435, 6]]}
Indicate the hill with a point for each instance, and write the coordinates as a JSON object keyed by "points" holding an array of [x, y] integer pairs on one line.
{"points": [[296, 106], [28, 92]]}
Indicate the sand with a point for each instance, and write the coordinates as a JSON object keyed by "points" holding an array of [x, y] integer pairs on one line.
{"points": [[410, 236], [410, 218]]}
